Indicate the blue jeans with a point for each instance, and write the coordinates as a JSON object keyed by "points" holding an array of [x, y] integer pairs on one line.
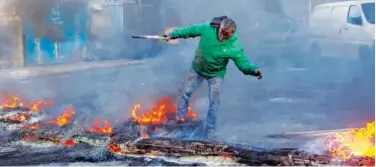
{"points": [[190, 85]]}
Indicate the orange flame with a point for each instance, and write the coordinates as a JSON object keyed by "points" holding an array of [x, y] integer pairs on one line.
{"points": [[160, 113], [226, 155], [114, 148], [356, 142], [145, 136], [12, 102], [19, 117], [37, 105], [64, 119], [69, 143], [32, 127], [97, 128], [15, 101]]}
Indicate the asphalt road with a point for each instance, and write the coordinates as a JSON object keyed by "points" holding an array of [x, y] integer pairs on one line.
{"points": [[330, 95]]}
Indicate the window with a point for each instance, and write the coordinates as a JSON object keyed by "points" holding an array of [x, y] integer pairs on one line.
{"points": [[369, 12], [354, 16]]}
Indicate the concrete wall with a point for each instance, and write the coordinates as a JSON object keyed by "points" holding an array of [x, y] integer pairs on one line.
{"points": [[11, 50]]}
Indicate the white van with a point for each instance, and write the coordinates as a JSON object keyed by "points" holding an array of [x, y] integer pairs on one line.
{"points": [[343, 29]]}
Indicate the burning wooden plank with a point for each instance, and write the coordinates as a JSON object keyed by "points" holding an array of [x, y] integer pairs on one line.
{"points": [[125, 144], [308, 134], [54, 131], [193, 148], [127, 140], [66, 136], [344, 144], [141, 136], [91, 139], [13, 120], [46, 132], [97, 135], [15, 113], [160, 114], [185, 130], [60, 128]]}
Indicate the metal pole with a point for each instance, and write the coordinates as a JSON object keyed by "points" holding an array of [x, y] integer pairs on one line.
{"points": [[309, 10]]}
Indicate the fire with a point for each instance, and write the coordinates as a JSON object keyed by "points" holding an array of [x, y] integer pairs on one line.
{"points": [[35, 127], [32, 127], [160, 113], [114, 148], [145, 136], [356, 142], [226, 155], [64, 119], [69, 143], [37, 105], [15, 101], [19, 117], [97, 128], [11, 102]]}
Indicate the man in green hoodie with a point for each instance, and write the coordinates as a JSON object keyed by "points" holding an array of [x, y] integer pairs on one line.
{"points": [[219, 43]]}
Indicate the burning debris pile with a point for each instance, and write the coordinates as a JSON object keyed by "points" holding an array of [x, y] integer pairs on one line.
{"points": [[354, 145], [163, 111], [15, 113], [152, 134]]}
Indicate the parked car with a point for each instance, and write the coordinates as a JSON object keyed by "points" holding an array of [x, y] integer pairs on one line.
{"points": [[343, 30]]}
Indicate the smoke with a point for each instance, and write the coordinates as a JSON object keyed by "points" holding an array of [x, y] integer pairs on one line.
{"points": [[38, 13], [320, 93], [296, 93]]}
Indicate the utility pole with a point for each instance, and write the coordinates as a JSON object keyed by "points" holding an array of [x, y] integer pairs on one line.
{"points": [[309, 8]]}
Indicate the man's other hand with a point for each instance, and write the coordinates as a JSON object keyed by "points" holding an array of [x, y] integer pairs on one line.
{"points": [[167, 33], [257, 73]]}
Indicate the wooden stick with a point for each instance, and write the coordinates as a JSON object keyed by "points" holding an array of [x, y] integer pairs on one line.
{"points": [[307, 134]]}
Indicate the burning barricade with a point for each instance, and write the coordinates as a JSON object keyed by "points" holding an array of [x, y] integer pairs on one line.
{"points": [[54, 131], [97, 135], [15, 112], [61, 131], [353, 147], [159, 121], [153, 134], [14, 103], [161, 113]]}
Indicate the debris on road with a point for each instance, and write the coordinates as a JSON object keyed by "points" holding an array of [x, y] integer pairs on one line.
{"points": [[152, 135]]}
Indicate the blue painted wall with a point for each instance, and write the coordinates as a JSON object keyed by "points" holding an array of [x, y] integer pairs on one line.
{"points": [[44, 51]]}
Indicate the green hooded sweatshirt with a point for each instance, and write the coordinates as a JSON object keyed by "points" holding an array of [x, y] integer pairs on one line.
{"points": [[212, 55]]}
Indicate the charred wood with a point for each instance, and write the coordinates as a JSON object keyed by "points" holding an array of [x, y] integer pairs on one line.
{"points": [[11, 109], [90, 138], [127, 139]]}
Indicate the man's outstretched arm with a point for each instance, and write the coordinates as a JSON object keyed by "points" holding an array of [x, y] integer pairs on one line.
{"points": [[192, 31], [243, 64]]}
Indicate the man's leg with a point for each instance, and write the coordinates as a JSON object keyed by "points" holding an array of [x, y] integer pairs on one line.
{"points": [[214, 99], [190, 85]]}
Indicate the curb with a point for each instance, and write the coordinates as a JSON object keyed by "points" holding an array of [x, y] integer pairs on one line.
{"points": [[19, 73]]}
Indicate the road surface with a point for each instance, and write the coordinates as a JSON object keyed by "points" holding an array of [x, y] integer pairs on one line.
{"points": [[288, 99]]}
